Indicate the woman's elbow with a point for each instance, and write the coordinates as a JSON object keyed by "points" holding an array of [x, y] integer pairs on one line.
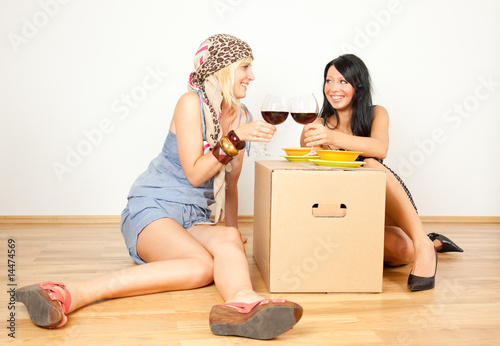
{"points": [[194, 180], [194, 183], [377, 154], [382, 155], [382, 151]]}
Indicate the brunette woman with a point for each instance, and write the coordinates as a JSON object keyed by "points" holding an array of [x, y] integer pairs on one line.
{"points": [[349, 121]]}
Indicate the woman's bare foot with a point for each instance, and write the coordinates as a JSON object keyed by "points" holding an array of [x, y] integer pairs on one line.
{"points": [[437, 244], [248, 296]]}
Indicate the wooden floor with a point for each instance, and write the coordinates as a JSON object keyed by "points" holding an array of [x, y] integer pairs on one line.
{"points": [[463, 309]]}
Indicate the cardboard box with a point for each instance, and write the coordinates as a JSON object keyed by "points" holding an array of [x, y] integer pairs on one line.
{"points": [[319, 229]]}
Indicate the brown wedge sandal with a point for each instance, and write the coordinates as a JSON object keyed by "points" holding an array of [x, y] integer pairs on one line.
{"points": [[46, 305], [265, 319]]}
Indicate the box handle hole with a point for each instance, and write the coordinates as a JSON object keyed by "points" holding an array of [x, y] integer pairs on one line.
{"points": [[329, 210]]}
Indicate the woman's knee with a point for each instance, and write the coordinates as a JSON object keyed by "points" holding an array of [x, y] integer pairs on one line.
{"points": [[229, 235], [404, 251], [399, 248], [372, 163], [202, 273]]}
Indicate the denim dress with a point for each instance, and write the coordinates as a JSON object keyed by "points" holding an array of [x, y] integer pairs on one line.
{"points": [[163, 191]]}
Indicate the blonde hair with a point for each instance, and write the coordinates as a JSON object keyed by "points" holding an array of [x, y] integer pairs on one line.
{"points": [[226, 80]]}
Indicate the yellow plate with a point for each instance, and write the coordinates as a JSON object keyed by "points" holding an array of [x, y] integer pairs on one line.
{"points": [[338, 163], [338, 155], [300, 158], [300, 151]]}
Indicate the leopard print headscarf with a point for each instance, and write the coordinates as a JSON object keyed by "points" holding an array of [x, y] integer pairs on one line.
{"points": [[215, 53]]}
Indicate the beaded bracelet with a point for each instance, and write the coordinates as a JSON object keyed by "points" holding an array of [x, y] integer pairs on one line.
{"points": [[233, 137]]}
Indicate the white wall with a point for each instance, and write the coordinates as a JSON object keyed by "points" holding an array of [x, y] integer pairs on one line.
{"points": [[67, 67]]}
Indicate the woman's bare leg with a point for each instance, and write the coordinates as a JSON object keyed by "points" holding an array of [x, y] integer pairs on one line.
{"points": [[176, 261], [231, 270], [400, 209]]}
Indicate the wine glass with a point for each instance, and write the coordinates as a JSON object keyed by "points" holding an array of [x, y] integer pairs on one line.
{"points": [[274, 110], [304, 110]]}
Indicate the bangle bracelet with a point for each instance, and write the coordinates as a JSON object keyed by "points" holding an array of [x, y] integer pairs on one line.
{"points": [[220, 155], [228, 147], [236, 140]]}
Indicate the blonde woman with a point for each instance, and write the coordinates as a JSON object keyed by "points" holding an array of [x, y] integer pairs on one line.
{"points": [[167, 225]]}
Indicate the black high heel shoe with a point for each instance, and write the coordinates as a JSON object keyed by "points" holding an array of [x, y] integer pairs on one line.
{"points": [[422, 283], [448, 245]]}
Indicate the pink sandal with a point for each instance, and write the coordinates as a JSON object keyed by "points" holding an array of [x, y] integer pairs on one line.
{"points": [[264, 319], [46, 305]]}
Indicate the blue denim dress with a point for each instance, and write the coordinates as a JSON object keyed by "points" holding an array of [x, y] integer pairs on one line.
{"points": [[163, 191]]}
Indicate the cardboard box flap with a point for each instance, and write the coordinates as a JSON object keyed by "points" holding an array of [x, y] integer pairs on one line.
{"points": [[287, 165]]}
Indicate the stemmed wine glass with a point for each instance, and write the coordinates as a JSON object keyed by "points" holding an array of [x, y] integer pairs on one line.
{"points": [[274, 110], [304, 110]]}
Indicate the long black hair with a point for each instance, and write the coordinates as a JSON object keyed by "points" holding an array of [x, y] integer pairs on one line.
{"points": [[356, 73]]}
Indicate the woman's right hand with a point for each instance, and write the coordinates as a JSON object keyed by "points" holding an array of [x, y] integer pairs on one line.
{"points": [[314, 135], [256, 131]]}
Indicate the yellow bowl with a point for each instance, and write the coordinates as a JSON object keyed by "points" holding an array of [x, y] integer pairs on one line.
{"points": [[297, 151], [338, 155]]}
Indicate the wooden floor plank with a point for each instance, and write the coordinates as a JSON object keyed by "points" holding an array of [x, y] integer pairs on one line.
{"points": [[463, 309]]}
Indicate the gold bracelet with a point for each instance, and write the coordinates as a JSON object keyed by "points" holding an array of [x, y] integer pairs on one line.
{"points": [[228, 147]]}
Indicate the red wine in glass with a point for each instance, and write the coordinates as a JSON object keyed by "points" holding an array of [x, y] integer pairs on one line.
{"points": [[304, 118], [304, 110], [274, 117], [274, 110]]}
